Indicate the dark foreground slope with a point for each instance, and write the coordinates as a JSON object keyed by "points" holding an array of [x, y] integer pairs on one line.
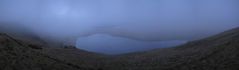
{"points": [[220, 52], [19, 55], [29, 41]]}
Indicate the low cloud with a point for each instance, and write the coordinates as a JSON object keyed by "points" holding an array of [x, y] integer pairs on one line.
{"points": [[147, 20]]}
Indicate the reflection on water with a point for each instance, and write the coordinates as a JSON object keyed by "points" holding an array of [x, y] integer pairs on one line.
{"points": [[107, 44]]}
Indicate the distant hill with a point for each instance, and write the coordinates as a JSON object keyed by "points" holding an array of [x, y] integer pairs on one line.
{"points": [[19, 31]]}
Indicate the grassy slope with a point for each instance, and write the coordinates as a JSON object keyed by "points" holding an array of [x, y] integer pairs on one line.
{"points": [[220, 52], [16, 55]]}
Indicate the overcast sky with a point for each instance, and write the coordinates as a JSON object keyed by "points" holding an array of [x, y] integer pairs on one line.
{"points": [[145, 20]]}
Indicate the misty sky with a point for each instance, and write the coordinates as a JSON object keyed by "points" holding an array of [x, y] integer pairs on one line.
{"points": [[117, 20]]}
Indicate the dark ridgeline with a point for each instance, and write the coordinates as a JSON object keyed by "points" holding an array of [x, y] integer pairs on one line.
{"points": [[219, 52]]}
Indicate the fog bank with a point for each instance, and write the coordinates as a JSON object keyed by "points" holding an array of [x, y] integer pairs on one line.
{"points": [[67, 21]]}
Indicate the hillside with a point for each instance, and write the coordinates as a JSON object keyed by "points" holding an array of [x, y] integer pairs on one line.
{"points": [[21, 55], [219, 52]]}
